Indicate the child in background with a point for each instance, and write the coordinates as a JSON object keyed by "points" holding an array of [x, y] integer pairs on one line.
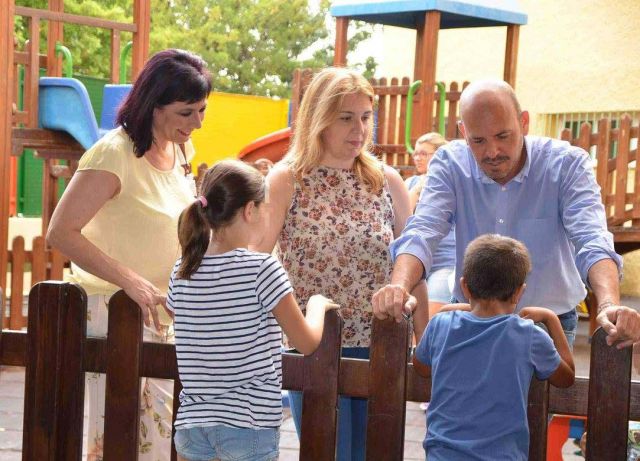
{"points": [[229, 305], [481, 359]]}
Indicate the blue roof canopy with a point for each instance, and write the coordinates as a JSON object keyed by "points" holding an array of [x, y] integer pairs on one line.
{"points": [[454, 14]]}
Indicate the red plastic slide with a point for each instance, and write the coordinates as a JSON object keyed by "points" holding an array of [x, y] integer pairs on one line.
{"points": [[272, 146]]}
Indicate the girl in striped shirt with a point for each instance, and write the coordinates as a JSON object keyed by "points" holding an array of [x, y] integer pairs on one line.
{"points": [[231, 305]]}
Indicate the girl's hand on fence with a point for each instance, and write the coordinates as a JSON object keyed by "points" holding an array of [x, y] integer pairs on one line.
{"points": [[320, 302], [147, 296]]}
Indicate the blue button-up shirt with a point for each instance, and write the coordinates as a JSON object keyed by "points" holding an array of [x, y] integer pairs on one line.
{"points": [[552, 205]]}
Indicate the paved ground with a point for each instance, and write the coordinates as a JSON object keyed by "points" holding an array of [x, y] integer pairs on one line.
{"points": [[12, 394]]}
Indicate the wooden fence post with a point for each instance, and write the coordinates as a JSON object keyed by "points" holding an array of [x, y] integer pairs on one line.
{"points": [[387, 389], [320, 394], [608, 411], [122, 404], [54, 388]]}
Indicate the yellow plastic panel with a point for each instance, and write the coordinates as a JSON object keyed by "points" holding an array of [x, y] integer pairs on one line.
{"points": [[233, 121]]}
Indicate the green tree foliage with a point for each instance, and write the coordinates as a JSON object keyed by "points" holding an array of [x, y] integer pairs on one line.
{"points": [[252, 46]]}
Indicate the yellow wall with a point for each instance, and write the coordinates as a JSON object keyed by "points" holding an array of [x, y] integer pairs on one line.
{"points": [[232, 121], [574, 55]]}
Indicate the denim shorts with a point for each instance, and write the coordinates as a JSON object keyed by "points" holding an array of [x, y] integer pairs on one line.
{"points": [[569, 322], [439, 285], [227, 443]]}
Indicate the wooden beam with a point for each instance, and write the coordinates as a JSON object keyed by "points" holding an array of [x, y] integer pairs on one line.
{"points": [[54, 64], [140, 49], [115, 57], [340, 54], [511, 54], [32, 74], [425, 70], [6, 103], [74, 19]]}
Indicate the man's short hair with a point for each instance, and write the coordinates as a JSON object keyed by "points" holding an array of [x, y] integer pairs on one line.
{"points": [[495, 267]]}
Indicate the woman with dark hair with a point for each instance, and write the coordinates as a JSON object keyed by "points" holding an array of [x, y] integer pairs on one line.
{"points": [[117, 221]]}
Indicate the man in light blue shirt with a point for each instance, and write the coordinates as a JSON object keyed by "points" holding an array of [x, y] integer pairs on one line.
{"points": [[537, 190]]}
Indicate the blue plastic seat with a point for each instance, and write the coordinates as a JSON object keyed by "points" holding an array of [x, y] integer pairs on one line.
{"points": [[64, 105], [112, 97]]}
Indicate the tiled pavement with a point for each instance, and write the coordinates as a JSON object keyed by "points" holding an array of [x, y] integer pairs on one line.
{"points": [[12, 394]]}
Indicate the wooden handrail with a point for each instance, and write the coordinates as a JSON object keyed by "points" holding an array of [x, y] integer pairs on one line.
{"points": [[75, 19]]}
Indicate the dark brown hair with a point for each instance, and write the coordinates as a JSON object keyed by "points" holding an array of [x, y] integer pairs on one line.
{"points": [[169, 76], [227, 187], [495, 267]]}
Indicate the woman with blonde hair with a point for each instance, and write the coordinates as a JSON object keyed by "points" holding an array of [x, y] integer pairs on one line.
{"points": [[334, 210], [425, 149]]}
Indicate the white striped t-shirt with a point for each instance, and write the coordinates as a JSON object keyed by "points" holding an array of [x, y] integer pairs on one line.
{"points": [[228, 342]]}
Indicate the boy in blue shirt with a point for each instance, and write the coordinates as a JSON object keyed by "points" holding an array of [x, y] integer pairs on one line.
{"points": [[481, 357]]}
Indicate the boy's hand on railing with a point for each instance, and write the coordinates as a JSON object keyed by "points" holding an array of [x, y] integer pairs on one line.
{"points": [[456, 307], [320, 302], [537, 314]]}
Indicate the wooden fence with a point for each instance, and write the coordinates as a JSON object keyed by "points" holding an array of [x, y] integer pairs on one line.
{"points": [[616, 152], [41, 263], [57, 353]]}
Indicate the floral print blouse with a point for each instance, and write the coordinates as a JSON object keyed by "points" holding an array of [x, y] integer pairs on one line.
{"points": [[335, 242]]}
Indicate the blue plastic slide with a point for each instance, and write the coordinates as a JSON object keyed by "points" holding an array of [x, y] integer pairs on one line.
{"points": [[64, 105], [112, 97]]}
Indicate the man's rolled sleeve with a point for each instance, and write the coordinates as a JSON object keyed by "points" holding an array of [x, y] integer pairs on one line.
{"points": [[583, 214], [413, 244], [596, 250]]}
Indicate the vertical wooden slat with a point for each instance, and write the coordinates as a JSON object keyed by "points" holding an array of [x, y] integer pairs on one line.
{"points": [[392, 115], [425, 69], [341, 45], [452, 118], [602, 156], [48, 194], [54, 63], [122, 403], [6, 99], [608, 411], [382, 114], [403, 117], [622, 165], [537, 410], [320, 394], [387, 389], [54, 389], [31, 90], [16, 318], [634, 133], [115, 56], [140, 49], [38, 260], [584, 138], [57, 264], [511, 54]]}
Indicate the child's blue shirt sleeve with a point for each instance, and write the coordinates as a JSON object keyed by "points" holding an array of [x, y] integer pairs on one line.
{"points": [[423, 351], [544, 355]]}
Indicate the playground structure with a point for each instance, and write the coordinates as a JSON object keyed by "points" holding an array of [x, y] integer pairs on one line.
{"points": [[428, 111]]}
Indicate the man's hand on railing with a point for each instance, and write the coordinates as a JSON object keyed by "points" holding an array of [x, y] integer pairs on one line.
{"points": [[621, 323]]}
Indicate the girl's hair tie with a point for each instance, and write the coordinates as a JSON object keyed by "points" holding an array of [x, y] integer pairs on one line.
{"points": [[203, 201]]}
